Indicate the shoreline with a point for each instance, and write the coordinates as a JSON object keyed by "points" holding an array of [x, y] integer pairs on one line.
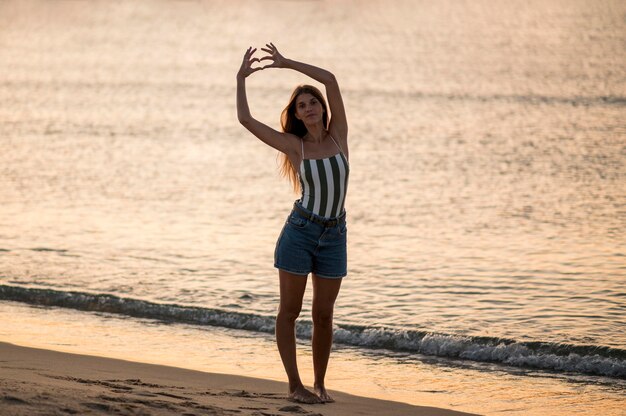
{"points": [[42, 381]]}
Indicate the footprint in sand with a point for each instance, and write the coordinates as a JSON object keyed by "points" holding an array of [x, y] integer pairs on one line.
{"points": [[297, 409], [98, 406], [14, 400]]}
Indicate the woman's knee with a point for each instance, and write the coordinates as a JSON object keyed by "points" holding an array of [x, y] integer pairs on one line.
{"points": [[323, 318], [288, 313]]}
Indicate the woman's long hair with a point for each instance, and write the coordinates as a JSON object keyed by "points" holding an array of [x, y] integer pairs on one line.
{"points": [[291, 124]]}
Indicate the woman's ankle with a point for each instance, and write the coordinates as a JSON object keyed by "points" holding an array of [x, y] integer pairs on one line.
{"points": [[294, 385]]}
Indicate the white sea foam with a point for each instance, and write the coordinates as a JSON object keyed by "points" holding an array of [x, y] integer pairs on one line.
{"points": [[586, 359]]}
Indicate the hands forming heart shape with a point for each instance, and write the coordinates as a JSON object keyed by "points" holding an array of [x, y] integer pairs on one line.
{"points": [[278, 61]]}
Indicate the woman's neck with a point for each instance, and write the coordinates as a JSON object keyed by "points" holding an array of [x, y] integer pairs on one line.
{"points": [[315, 134]]}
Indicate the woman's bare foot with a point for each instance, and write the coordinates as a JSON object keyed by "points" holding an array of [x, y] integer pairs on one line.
{"points": [[302, 395], [323, 394]]}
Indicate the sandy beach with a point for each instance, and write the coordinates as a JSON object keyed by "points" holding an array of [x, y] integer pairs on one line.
{"points": [[44, 382]]}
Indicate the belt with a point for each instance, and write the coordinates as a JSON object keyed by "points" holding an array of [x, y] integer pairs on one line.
{"points": [[317, 219]]}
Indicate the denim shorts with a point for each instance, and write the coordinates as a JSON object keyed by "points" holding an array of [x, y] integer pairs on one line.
{"points": [[305, 246]]}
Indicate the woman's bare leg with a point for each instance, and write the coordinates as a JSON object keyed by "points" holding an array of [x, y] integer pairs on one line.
{"points": [[325, 293], [292, 288]]}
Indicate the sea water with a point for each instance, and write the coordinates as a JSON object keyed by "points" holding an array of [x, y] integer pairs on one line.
{"points": [[486, 208]]}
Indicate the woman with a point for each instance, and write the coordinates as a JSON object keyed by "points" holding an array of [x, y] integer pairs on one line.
{"points": [[313, 240]]}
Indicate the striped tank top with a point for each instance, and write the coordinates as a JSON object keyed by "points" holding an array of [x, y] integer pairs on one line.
{"points": [[324, 183]]}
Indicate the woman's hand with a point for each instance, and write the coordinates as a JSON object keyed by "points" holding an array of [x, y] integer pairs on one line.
{"points": [[279, 61], [246, 66]]}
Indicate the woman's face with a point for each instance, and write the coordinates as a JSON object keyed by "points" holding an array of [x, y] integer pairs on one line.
{"points": [[309, 109]]}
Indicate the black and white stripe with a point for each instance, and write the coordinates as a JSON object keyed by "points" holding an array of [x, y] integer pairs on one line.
{"points": [[324, 185]]}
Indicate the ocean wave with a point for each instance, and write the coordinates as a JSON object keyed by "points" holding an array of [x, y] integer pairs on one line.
{"points": [[562, 357]]}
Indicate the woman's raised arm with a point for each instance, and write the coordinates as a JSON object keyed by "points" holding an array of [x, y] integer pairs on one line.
{"points": [[274, 138], [338, 119]]}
